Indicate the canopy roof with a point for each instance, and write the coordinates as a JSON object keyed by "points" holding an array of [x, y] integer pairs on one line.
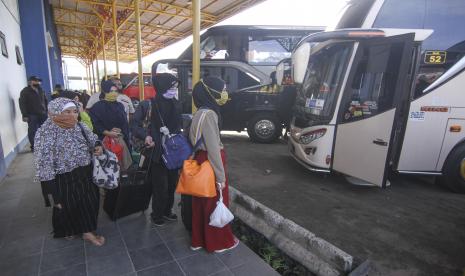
{"points": [[80, 23]]}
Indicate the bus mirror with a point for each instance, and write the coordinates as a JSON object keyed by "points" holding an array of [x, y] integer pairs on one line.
{"points": [[300, 61], [283, 72]]}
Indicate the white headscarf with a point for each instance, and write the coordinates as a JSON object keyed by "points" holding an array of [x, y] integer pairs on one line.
{"points": [[58, 150]]}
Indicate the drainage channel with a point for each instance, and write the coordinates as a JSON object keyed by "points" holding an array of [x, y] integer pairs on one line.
{"points": [[287, 247]]}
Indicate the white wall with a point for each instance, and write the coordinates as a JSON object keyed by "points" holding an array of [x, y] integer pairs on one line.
{"points": [[12, 79]]}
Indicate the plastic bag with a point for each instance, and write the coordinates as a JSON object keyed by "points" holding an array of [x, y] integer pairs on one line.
{"points": [[221, 215], [106, 170]]}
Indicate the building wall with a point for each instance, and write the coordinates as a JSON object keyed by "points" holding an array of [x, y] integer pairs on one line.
{"points": [[54, 52], [13, 131], [35, 47]]}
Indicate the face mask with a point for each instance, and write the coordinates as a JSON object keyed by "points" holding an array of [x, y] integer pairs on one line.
{"points": [[171, 93], [224, 96], [36, 85], [111, 96]]}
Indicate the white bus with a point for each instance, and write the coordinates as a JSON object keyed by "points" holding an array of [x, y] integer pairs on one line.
{"points": [[380, 97]]}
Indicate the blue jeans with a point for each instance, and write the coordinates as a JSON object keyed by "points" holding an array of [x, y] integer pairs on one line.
{"points": [[34, 122]]}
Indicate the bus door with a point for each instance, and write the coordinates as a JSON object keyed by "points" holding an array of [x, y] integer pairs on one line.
{"points": [[373, 94]]}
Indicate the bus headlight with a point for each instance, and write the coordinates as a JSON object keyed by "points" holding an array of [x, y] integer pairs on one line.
{"points": [[308, 137]]}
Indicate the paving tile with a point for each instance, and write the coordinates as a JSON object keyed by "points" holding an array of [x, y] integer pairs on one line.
{"points": [[141, 239], [172, 231], [168, 269], [202, 264], [111, 265], [112, 244], [21, 248], [237, 256], [75, 270], [181, 248], [24, 266], [134, 224], [53, 244], [108, 229], [62, 258], [256, 268], [150, 256], [225, 272]]}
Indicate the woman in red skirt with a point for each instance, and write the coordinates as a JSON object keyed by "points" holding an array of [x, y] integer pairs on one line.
{"points": [[208, 95]]}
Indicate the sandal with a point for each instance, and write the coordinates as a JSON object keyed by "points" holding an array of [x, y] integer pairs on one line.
{"points": [[70, 238], [95, 240]]}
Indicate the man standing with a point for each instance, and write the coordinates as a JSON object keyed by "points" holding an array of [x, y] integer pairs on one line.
{"points": [[33, 105]]}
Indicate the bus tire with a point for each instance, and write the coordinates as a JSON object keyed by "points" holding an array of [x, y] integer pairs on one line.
{"points": [[453, 173], [264, 128]]}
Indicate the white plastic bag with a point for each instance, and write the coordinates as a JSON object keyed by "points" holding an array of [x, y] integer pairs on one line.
{"points": [[221, 215]]}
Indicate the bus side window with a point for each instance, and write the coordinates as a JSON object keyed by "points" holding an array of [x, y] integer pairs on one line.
{"points": [[373, 85]]}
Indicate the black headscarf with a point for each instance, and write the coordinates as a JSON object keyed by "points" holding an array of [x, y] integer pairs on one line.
{"points": [[106, 86], [203, 99], [163, 81]]}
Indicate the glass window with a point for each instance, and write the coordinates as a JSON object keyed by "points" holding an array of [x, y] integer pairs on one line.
{"points": [[234, 78], [269, 50], [19, 58], [3, 45], [373, 86], [319, 91], [214, 47], [401, 14]]}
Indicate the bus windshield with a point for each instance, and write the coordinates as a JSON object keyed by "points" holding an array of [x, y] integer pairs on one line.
{"points": [[317, 98]]}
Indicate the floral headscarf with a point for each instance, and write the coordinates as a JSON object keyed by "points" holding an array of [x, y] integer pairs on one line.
{"points": [[58, 150]]}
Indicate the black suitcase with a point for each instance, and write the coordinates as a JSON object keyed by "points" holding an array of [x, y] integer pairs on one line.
{"points": [[186, 211], [132, 195]]}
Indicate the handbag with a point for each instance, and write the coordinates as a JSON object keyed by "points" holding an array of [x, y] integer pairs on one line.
{"points": [[106, 170], [176, 148], [221, 215], [197, 180]]}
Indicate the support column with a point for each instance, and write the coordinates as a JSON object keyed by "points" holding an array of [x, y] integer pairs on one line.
{"points": [[104, 53], [93, 77], [88, 80], [195, 45], [98, 74], [115, 37], [139, 50]]}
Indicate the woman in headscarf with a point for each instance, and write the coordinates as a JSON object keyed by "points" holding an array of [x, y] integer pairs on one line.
{"points": [[208, 95], [83, 115], [109, 119], [63, 153], [165, 117]]}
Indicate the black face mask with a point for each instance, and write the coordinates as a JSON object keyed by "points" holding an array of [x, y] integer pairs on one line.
{"points": [[36, 85]]}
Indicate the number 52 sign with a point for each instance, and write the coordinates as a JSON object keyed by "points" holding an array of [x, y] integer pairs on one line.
{"points": [[435, 57]]}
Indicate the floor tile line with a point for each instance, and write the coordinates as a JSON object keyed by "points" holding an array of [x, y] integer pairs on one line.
{"points": [[154, 266], [126, 247], [41, 256], [227, 267], [85, 257], [172, 255]]}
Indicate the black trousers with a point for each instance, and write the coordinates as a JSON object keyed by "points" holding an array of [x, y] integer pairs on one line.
{"points": [[163, 187], [35, 121]]}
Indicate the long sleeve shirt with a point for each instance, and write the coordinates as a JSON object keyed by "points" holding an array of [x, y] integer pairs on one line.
{"points": [[207, 128]]}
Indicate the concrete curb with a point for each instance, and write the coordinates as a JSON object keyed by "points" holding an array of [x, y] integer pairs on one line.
{"points": [[318, 255]]}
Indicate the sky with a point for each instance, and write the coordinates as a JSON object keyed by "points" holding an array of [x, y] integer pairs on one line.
{"points": [[270, 12]]}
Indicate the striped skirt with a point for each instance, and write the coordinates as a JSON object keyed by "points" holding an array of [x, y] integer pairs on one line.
{"points": [[80, 203]]}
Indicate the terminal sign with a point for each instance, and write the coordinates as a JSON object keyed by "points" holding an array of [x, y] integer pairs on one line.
{"points": [[435, 57]]}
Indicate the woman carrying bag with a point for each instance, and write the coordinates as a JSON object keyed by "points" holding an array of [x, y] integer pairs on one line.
{"points": [[208, 95], [165, 117], [63, 153]]}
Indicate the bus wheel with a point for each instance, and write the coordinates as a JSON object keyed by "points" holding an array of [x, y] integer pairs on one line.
{"points": [[454, 170], [264, 128]]}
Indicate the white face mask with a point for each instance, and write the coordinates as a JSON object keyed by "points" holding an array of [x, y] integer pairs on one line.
{"points": [[171, 93]]}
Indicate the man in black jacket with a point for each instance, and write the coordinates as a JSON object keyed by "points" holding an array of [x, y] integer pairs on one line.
{"points": [[33, 105]]}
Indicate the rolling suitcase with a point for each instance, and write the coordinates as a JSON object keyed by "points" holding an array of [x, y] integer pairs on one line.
{"points": [[132, 195]]}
